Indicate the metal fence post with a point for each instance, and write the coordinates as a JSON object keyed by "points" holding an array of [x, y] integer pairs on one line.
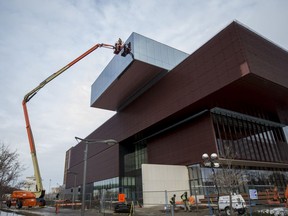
{"points": [[209, 205], [166, 202]]}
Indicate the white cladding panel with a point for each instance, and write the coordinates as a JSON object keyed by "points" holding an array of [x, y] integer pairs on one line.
{"points": [[157, 179]]}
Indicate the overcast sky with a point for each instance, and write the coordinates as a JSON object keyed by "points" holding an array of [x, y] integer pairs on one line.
{"points": [[38, 37]]}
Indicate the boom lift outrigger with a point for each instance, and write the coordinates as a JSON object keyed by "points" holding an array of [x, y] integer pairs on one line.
{"points": [[27, 198]]}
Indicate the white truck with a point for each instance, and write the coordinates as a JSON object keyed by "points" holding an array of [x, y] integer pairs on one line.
{"points": [[238, 204]]}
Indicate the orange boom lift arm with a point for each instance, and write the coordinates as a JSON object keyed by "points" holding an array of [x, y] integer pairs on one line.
{"points": [[40, 192]]}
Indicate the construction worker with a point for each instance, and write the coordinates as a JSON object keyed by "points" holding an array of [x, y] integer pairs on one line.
{"points": [[276, 196], [286, 195], [118, 46], [191, 200], [185, 200], [172, 201]]}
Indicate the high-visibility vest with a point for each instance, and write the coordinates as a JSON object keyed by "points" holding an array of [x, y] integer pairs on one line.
{"points": [[191, 200]]}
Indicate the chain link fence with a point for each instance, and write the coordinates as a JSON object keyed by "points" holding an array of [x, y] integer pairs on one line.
{"points": [[259, 200]]}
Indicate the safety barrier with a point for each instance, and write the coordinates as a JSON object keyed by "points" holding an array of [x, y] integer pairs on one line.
{"points": [[64, 203]]}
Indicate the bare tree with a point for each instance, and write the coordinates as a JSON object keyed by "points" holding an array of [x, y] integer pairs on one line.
{"points": [[229, 178], [10, 169]]}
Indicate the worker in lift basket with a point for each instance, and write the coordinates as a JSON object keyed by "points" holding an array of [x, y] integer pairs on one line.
{"points": [[185, 201], [118, 46]]}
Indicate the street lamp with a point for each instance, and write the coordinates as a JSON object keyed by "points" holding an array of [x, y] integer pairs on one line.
{"points": [[212, 162], [49, 189], [109, 142]]}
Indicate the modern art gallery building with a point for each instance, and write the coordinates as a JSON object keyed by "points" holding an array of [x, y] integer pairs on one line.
{"points": [[171, 107]]}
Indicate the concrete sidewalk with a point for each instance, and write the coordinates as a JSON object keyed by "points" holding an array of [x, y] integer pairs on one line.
{"points": [[145, 211], [151, 211]]}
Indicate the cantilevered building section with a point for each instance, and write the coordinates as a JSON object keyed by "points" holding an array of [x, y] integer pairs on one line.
{"points": [[124, 79], [173, 107]]}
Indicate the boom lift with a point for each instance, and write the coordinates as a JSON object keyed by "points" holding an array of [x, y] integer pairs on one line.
{"points": [[36, 198]]}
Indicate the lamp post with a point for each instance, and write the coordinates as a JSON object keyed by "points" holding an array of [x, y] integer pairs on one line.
{"points": [[109, 142], [49, 189], [211, 161]]}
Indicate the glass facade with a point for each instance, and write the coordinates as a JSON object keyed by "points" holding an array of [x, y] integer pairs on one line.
{"points": [[243, 137], [202, 181], [135, 159], [111, 187], [131, 183], [155, 53], [248, 137], [115, 67]]}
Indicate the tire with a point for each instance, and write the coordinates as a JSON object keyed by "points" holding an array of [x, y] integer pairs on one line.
{"points": [[42, 203], [19, 204], [241, 211], [122, 208], [227, 211], [8, 203]]}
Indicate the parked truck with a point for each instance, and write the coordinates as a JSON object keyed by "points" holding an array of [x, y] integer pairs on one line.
{"points": [[238, 204]]}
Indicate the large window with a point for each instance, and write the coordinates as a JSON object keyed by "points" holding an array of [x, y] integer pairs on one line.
{"points": [[111, 186], [202, 181], [131, 180], [249, 138], [134, 160]]}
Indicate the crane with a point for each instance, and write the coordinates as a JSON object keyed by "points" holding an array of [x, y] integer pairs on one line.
{"points": [[36, 198]]}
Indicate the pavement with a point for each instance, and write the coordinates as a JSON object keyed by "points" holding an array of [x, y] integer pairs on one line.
{"points": [[145, 211], [148, 211]]}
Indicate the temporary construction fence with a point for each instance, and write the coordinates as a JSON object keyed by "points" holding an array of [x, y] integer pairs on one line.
{"points": [[266, 199], [258, 199]]}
